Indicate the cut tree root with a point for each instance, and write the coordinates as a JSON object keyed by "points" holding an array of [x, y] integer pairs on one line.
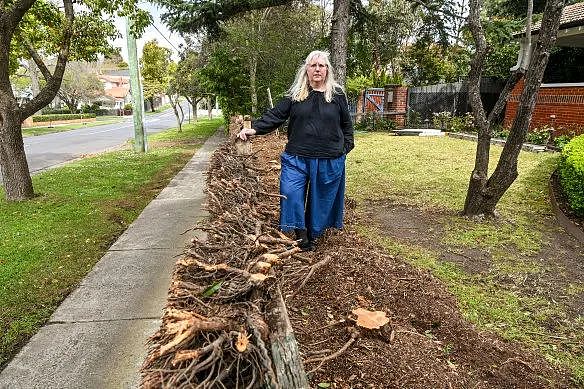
{"points": [[355, 334], [214, 331], [313, 269]]}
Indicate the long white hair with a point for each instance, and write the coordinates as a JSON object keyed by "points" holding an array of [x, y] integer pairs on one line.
{"points": [[301, 86]]}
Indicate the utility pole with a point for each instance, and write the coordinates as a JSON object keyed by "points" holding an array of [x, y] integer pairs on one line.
{"points": [[137, 111]]}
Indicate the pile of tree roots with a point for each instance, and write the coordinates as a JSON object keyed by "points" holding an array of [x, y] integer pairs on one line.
{"points": [[215, 332]]}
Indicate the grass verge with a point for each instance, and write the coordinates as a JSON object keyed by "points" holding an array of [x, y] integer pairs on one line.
{"points": [[48, 244], [99, 121], [433, 173]]}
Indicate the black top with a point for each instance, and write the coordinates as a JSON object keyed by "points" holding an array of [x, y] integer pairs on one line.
{"points": [[317, 129]]}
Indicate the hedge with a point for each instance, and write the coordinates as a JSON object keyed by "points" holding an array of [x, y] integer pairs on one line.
{"points": [[572, 173], [62, 116]]}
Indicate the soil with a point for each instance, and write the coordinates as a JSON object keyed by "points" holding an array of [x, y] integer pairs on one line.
{"points": [[428, 343]]}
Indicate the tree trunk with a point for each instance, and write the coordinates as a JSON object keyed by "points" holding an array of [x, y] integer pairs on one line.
{"points": [[483, 195], [13, 165], [252, 83], [339, 39], [174, 105]]}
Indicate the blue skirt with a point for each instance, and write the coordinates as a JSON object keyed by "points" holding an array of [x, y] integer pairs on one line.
{"points": [[314, 193]]}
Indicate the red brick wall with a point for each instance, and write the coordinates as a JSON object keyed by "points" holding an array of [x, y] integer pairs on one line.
{"points": [[397, 108], [565, 102]]}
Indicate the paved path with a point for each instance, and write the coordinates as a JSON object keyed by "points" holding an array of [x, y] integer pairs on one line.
{"points": [[96, 338]]}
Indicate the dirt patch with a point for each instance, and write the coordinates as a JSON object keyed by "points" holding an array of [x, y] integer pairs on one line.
{"points": [[432, 346]]}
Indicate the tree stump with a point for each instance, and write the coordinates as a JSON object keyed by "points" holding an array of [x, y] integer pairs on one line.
{"points": [[243, 147]]}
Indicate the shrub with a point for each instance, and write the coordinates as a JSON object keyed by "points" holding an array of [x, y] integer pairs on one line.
{"points": [[572, 174], [539, 136], [414, 119], [441, 120], [372, 121], [500, 132], [56, 117], [562, 141], [462, 123]]}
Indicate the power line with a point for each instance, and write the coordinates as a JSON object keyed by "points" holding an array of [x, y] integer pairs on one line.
{"points": [[165, 38]]}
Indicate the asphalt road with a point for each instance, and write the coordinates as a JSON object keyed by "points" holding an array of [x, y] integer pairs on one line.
{"points": [[45, 151]]}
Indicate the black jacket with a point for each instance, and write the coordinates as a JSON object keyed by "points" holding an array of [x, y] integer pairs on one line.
{"points": [[316, 129]]}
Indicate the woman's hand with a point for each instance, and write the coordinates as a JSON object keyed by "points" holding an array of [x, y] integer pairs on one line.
{"points": [[243, 134]]}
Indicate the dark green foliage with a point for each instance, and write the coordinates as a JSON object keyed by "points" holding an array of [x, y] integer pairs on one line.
{"points": [[64, 116], [226, 76], [561, 141], [372, 121], [572, 174], [197, 16]]}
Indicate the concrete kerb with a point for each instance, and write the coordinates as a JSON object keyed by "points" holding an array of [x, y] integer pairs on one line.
{"points": [[96, 338]]}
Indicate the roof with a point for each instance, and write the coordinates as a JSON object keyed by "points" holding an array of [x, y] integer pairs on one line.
{"points": [[115, 79], [572, 16], [118, 92]]}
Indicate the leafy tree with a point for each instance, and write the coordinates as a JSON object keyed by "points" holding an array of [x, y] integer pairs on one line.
{"points": [[31, 29], [80, 84], [377, 43], [271, 43], [188, 80], [188, 17], [154, 65], [484, 192], [225, 75]]}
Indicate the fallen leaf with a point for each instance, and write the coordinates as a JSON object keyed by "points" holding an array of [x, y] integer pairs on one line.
{"points": [[324, 385], [451, 365], [242, 341], [214, 288], [370, 319]]}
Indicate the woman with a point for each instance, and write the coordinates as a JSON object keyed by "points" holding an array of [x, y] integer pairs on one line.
{"points": [[320, 134]]}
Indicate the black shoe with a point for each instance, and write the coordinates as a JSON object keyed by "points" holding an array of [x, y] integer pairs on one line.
{"points": [[304, 243]]}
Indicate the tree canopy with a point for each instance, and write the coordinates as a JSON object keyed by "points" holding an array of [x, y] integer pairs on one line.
{"points": [[154, 67]]}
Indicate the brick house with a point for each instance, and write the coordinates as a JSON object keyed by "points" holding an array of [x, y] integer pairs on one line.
{"points": [[560, 105]]}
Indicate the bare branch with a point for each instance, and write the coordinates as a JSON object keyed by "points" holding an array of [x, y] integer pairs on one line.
{"points": [[36, 58]]}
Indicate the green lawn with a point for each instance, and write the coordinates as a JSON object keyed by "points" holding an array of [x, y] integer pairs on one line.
{"points": [[433, 174], [99, 121], [48, 244]]}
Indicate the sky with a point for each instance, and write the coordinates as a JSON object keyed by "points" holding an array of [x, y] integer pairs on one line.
{"points": [[149, 34]]}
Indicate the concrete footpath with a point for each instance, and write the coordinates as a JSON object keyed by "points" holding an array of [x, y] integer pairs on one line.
{"points": [[96, 338]]}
